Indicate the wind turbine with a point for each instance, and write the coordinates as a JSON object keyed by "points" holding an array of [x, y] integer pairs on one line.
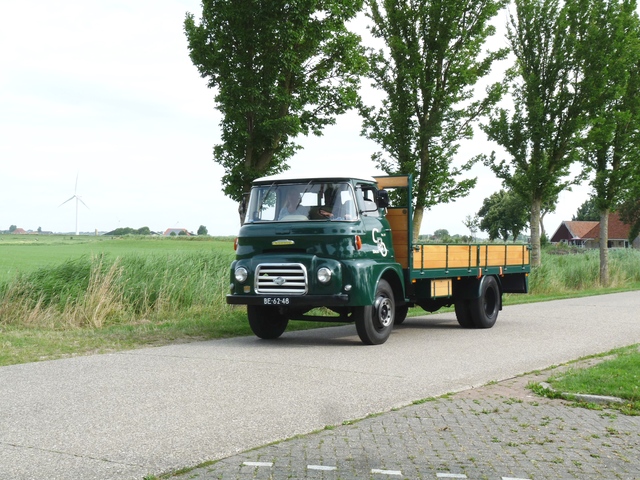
{"points": [[78, 199]]}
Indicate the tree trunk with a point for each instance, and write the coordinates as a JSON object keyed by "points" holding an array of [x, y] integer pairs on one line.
{"points": [[244, 202], [604, 248], [535, 232], [242, 211], [418, 213]]}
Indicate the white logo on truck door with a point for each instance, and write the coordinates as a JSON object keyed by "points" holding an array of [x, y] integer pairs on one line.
{"points": [[382, 248]]}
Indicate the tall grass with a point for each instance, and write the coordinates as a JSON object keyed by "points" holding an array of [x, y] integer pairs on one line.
{"points": [[133, 289], [565, 271], [98, 291]]}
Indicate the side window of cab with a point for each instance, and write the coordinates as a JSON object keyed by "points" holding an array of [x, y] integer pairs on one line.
{"points": [[366, 197]]}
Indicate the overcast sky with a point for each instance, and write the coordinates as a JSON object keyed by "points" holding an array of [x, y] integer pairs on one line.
{"points": [[104, 91]]}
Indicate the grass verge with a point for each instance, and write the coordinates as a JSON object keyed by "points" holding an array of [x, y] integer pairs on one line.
{"points": [[618, 376]]}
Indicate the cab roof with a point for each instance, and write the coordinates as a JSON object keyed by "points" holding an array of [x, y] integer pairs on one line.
{"points": [[305, 177]]}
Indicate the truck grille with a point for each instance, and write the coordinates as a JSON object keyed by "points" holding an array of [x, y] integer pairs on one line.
{"points": [[281, 279]]}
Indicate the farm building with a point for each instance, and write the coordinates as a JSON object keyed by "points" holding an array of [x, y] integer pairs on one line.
{"points": [[176, 231], [587, 234]]}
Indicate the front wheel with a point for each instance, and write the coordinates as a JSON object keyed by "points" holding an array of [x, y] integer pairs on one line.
{"points": [[266, 322], [375, 322]]}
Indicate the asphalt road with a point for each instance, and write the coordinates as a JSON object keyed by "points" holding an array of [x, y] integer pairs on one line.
{"points": [[149, 411]]}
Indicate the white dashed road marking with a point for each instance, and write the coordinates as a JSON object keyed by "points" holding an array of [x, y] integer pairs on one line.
{"points": [[321, 467], [386, 472], [258, 464], [328, 468]]}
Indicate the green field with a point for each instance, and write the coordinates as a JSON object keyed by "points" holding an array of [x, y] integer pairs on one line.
{"points": [[24, 253], [67, 295]]}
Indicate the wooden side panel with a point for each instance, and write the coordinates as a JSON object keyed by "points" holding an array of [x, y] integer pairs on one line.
{"points": [[497, 255], [400, 247], [398, 220], [434, 256], [392, 182], [443, 256], [430, 256], [463, 256]]}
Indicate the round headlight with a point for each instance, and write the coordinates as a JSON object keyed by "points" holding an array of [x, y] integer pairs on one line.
{"points": [[324, 275], [241, 274]]}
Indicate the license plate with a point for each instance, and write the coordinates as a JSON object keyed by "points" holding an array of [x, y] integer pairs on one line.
{"points": [[276, 300]]}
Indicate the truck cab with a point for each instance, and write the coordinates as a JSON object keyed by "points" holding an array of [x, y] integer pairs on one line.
{"points": [[315, 242]]}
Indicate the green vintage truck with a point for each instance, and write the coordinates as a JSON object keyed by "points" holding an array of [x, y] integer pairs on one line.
{"points": [[344, 243]]}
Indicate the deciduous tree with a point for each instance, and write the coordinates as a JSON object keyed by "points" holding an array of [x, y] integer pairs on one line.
{"points": [[503, 214], [539, 135], [609, 55], [587, 211], [279, 68], [472, 223], [432, 58]]}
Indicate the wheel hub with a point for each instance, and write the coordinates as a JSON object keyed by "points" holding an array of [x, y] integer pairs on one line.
{"points": [[384, 311]]}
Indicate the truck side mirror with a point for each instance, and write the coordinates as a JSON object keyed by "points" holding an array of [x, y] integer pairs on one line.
{"points": [[383, 199]]}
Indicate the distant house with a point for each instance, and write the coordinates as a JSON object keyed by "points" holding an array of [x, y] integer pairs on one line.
{"points": [[176, 231], [587, 234], [19, 231]]}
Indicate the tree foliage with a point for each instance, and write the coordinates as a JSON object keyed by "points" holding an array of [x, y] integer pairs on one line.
{"points": [[587, 211], [503, 214], [129, 231], [280, 69], [609, 52], [432, 58], [540, 134], [442, 235], [202, 230], [630, 214], [473, 224]]}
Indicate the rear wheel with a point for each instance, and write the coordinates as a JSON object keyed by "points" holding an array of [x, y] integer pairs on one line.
{"points": [[266, 322], [484, 309], [463, 313], [401, 315], [375, 322]]}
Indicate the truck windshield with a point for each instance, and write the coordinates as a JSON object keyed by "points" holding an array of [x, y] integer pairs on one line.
{"points": [[299, 202]]}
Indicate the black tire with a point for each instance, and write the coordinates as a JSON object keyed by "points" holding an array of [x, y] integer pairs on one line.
{"points": [[484, 309], [375, 322], [266, 322], [463, 313], [401, 315]]}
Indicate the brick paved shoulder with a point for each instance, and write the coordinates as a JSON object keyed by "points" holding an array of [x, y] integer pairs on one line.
{"points": [[495, 432]]}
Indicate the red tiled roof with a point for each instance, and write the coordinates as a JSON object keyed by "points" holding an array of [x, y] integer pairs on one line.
{"points": [[580, 229], [177, 231], [617, 229]]}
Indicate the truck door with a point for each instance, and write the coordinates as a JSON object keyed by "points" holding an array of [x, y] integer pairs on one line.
{"points": [[376, 238]]}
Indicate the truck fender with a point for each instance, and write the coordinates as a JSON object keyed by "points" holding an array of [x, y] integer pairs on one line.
{"points": [[394, 280], [366, 276]]}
